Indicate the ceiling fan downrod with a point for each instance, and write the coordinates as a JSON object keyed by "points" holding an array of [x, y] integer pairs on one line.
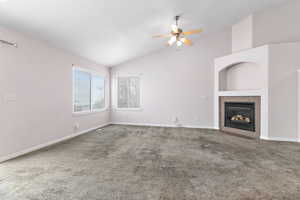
{"points": [[176, 19]]}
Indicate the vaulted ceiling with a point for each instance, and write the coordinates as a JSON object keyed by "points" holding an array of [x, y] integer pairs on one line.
{"points": [[114, 31]]}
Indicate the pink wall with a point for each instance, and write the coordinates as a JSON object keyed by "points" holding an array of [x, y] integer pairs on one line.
{"points": [[176, 83], [39, 77], [283, 96], [277, 25], [245, 76], [242, 34]]}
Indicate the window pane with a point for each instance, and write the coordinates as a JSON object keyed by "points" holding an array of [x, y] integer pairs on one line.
{"points": [[122, 92], [98, 93], [128, 92], [133, 95], [82, 91]]}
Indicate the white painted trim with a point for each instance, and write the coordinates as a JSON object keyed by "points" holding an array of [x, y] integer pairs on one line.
{"points": [[128, 109], [41, 146], [88, 70], [201, 127], [298, 104], [280, 139], [162, 125], [240, 93], [80, 114]]}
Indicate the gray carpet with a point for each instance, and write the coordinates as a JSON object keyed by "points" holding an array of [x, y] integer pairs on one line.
{"points": [[137, 163]]}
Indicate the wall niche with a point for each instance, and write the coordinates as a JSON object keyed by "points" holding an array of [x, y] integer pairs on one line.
{"points": [[241, 76]]}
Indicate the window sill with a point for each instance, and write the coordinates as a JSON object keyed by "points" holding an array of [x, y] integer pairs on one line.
{"points": [[128, 109], [85, 113]]}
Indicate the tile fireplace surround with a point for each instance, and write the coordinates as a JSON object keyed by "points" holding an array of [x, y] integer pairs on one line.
{"points": [[253, 99]]}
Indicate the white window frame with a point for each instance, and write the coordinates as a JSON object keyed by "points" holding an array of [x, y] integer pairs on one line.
{"points": [[92, 73], [117, 92]]}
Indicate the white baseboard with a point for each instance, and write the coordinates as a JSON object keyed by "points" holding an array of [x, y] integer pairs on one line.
{"points": [[280, 139], [41, 146], [162, 125], [35, 148]]}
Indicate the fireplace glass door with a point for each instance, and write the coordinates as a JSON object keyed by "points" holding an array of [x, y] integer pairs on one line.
{"points": [[240, 115]]}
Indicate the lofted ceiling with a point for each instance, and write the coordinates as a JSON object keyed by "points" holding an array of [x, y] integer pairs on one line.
{"points": [[114, 31]]}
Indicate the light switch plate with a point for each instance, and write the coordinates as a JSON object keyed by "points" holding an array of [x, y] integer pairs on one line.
{"points": [[10, 98]]}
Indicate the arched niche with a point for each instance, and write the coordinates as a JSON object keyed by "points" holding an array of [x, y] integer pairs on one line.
{"points": [[241, 76]]}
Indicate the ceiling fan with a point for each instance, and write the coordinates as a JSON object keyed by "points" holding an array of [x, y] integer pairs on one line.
{"points": [[177, 35]]}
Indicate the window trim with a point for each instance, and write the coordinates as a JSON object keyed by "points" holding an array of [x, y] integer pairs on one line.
{"points": [[92, 73], [117, 92]]}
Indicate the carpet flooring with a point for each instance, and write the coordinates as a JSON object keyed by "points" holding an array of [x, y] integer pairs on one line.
{"points": [[152, 163]]}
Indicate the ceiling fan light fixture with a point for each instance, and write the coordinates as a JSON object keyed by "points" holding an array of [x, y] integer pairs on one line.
{"points": [[174, 28], [178, 35], [172, 40], [179, 43]]}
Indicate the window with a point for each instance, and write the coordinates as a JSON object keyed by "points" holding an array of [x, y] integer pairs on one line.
{"points": [[88, 91], [129, 92]]}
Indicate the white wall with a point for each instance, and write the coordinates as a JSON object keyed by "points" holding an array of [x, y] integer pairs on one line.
{"points": [[298, 104], [245, 76], [283, 102], [40, 77], [274, 26], [242, 34], [176, 83], [277, 25]]}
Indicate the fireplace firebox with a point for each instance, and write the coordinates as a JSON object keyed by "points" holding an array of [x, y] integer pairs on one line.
{"points": [[240, 115]]}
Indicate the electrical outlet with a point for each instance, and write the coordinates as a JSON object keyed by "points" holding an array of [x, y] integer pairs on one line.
{"points": [[175, 120], [8, 98], [76, 126]]}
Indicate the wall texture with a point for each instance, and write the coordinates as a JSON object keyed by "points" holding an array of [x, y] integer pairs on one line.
{"points": [[277, 25], [36, 94], [175, 84], [283, 97], [242, 35], [245, 76]]}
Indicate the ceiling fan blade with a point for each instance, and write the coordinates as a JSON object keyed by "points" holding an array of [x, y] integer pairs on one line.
{"points": [[162, 36], [186, 41], [192, 32]]}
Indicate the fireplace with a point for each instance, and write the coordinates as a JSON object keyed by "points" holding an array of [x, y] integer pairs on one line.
{"points": [[240, 115]]}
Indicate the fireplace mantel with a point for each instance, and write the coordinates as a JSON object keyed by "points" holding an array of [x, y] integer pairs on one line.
{"points": [[238, 93]]}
